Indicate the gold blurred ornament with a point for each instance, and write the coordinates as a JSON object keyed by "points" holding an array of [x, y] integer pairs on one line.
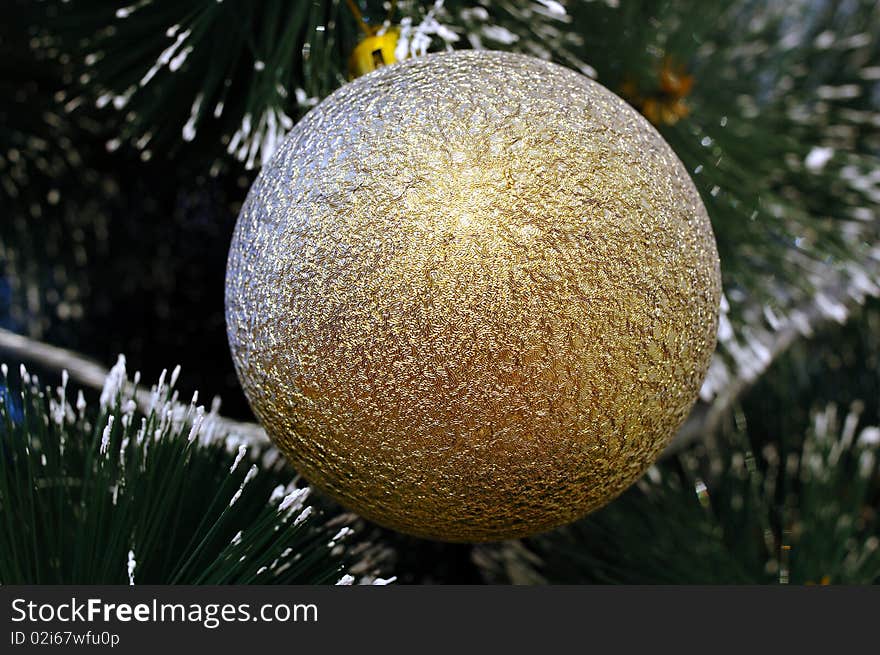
{"points": [[473, 295], [667, 103]]}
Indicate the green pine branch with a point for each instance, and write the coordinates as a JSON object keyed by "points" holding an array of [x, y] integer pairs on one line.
{"points": [[111, 495], [800, 513], [234, 74]]}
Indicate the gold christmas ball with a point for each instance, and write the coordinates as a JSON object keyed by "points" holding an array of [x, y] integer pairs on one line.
{"points": [[473, 295]]}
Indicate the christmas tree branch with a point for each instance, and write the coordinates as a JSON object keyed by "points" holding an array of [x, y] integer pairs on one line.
{"points": [[91, 374], [107, 493], [833, 303], [799, 513]]}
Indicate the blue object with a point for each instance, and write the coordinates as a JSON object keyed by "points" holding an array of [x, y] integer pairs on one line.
{"points": [[11, 404]]}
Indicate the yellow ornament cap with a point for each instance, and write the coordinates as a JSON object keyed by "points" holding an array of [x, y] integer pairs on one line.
{"points": [[375, 51]]}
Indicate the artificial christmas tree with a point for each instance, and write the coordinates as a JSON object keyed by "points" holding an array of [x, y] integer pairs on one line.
{"points": [[130, 136]]}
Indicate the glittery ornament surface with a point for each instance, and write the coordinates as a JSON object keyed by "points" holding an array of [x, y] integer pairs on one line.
{"points": [[473, 296]]}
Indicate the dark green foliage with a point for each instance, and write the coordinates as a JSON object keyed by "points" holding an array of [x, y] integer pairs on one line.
{"points": [[840, 364], [803, 516], [79, 500], [179, 69]]}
